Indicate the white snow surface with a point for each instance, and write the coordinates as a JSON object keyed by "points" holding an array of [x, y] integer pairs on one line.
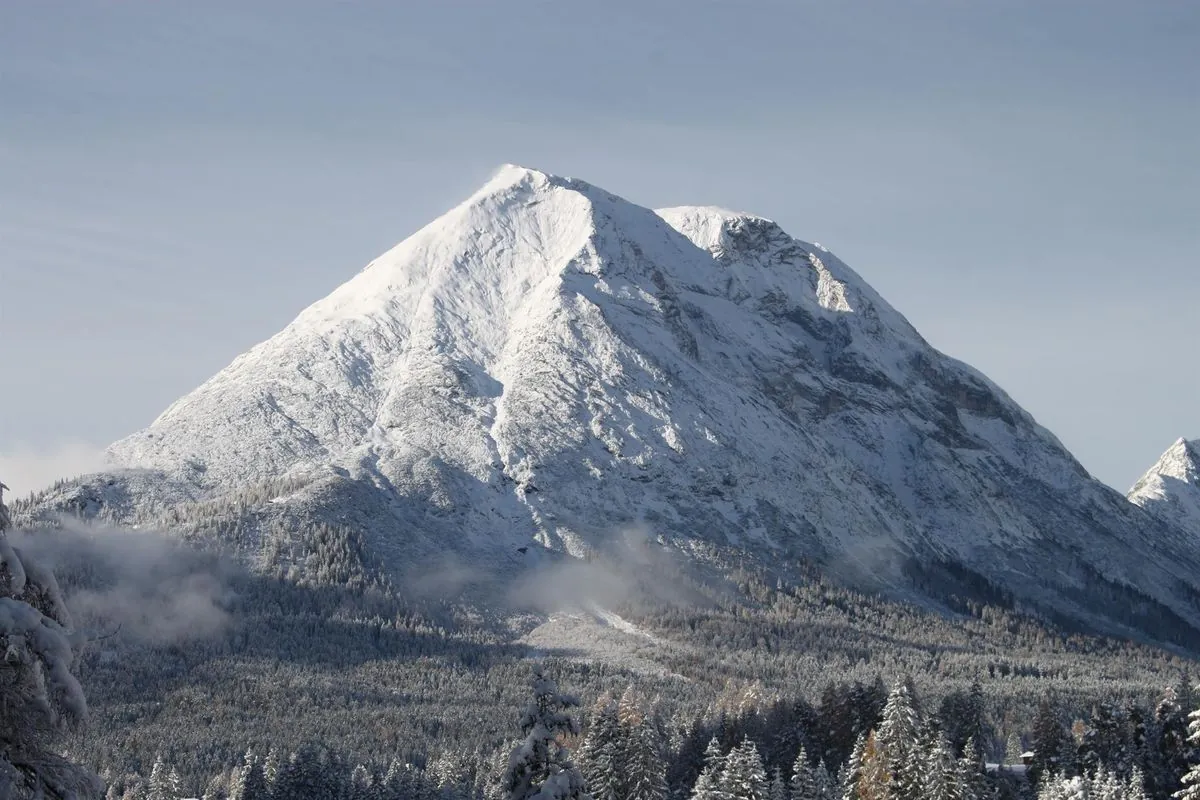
{"points": [[549, 362], [1171, 488]]}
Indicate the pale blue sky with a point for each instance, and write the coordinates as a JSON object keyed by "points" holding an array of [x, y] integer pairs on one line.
{"points": [[1021, 179]]}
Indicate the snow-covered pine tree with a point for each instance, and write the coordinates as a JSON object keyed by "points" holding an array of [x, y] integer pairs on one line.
{"points": [[851, 772], [540, 766], [271, 768], [1172, 750], [250, 783], [896, 741], [159, 788], [1191, 779], [708, 784], [174, 785], [940, 779], [745, 777], [598, 755], [644, 765], [1135, 787], [1013, 749], [972, 772], [1049, 739], [361, 782], [825, 784], [39, 694], [778, 788], [804, 782], [684, 769]]}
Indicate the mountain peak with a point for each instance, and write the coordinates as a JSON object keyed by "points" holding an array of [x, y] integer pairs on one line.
{"points": [[1180, 461], [550, 363], [1171, 488]]}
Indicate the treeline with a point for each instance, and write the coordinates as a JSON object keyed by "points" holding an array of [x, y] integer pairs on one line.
{"points": [[861, 741]]}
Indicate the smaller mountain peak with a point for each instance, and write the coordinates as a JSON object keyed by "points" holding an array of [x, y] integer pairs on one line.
{"points": [[1180, 462]]}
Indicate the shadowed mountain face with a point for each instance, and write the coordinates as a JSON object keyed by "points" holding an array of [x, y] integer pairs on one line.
{"points": [[550, 366]]}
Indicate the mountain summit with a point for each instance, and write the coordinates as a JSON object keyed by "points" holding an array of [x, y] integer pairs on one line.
{"points": [[548, 366], [1171, 488]]}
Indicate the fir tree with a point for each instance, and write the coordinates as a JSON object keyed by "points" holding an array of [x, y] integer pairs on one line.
{"points": [[778, 788], [1049, 739], [804, 783], [852, 770], [824, 782], [897, 745], [1191, 779], [646, 770], [941, 778], [1174, 751], [599, 755], [160, 788], [39, 694], [708, 784], [540, 767], [745, 777], [1135, 788], [250, 784]]}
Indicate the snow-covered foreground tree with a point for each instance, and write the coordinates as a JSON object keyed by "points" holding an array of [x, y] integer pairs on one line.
{"points": [[540, 767], [39, 694]]}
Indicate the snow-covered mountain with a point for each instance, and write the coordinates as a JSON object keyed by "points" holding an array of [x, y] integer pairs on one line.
{"points": [[551, 366], [1171, 488]]}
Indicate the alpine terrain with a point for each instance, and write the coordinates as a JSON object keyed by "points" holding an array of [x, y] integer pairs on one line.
{"points": [[550, 371], [1171, 488]]}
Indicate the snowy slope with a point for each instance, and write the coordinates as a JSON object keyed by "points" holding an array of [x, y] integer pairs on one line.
{"points": [[548, 362], [1171, 488]]}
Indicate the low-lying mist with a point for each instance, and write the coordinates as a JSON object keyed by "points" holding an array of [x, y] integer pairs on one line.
{"points": [[139, 585]]}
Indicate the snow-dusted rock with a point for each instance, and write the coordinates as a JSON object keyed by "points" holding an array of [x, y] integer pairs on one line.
{"points": [[1171, 488]]}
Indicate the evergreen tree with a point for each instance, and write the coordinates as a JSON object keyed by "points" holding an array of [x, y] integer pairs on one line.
{"points": [[1049, 739], [1174, 750], [941, 778], [824, 782], [360, 783], [39, 694], [160, 788], [1013, 749], [540, 767], [646, 770], [778, 788], [599, 755], [1105, 743], [684, 770], [896, 742], [745, 777], [852, 770], [1135, 788], [972, 773], [271, 769], [804, 780], [250, 784], [1191, 779], [708, 784]]}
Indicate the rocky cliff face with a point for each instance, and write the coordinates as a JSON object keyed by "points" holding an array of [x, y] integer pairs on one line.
{"points": [[550, 366]]}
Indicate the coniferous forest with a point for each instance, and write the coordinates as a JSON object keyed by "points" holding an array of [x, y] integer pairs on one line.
{"points": [[324, 679]]}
